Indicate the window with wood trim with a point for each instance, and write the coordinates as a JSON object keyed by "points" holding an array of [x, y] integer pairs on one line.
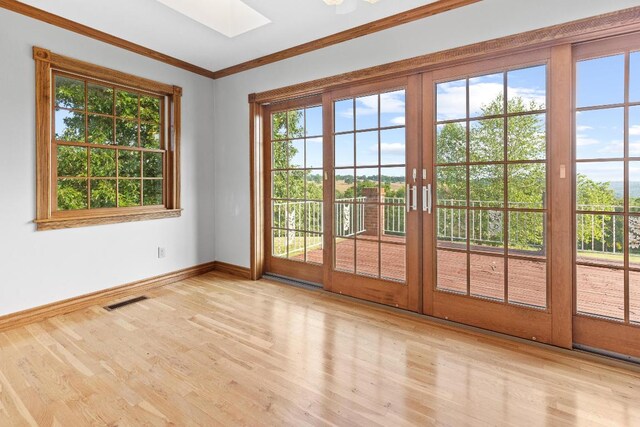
{"points": [[107, 145]]}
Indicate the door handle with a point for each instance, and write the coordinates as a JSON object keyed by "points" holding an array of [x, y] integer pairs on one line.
{"points": [[414, 204], [407, 196], [426, 198]]}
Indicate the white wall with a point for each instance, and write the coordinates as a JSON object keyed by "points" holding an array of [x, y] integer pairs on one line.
{"points": [[41, 267], [481, 21]]}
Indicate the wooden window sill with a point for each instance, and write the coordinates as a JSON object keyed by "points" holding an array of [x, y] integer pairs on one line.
{"points": [[80, 221]]}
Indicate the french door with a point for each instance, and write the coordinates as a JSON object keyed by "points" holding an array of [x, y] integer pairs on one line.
{"points": [[607, 195], [373, 238], [486, 225]]}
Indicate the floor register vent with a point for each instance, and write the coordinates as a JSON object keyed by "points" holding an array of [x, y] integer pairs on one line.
{"points": [[125, 303]]}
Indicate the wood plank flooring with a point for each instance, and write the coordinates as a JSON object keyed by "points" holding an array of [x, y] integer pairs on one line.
{"points": [[216, 350]]}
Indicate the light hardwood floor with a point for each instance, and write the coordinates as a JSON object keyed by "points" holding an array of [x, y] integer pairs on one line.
{"points": [[216, 350]]}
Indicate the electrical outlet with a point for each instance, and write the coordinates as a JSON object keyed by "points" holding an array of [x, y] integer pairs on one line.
{"points": [[162, 252]]}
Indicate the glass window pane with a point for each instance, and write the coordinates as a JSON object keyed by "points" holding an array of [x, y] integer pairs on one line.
{"points": [[295, 240], [126, 133], [486, 231], [452, 271], [72, 194], [296, 124], [150, 109], [100, 130], [344, 146], [368, 219], [600, 134], [452, 228], [527, 89], [600, 239], [392, 182], [314, 249], [393, 260], [128, 192], [345, 185], [527, 185], [279, 243], [600, 292], [296, 184], [69, 126], [103, 193], [343, 115], [367, 257], [99, 99], [344, 254], [487, 276], [451, 185], [451, 100], [367, 112], [393, 146], [103, 162], [634, 241], [279, 125], [152, 192], [486, 184], [527, 233], [634, 296], [279, 185], [392, 109], [314, 216], [368, 184], [126, 104], [279, 214], [486, 140], [295, 215], [600, 81], [296, 154], [129, 163], [72, 161], [69, 93], [527, 137], [314, 153], [600, 186], [279, 159], [313, 124], [150, 135], [486, 95], [345, 219], [314, 184], [152, 165], [634, 131], [367, 148], [451, 143], [528, 282]]}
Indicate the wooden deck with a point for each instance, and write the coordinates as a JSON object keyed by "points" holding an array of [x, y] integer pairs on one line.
{"points": [[220, 351], [600, 290]]}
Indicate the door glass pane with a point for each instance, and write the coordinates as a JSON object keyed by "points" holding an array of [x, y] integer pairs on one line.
{"points": [[527, 185], [486, 95], [527, 233], [314, 249], [343, 118], [451, 185], [452, 228], [600, 134], [634, 131], [487, 230], [527, 137], [528, 282], [606, 74], [452, 271], [600, 186], [451, 143], [600, 291], [527, 89], [487, 276], [486, 140], [486, 186], [369, 200], [634, 297], [313, 123], [600, 239], [451, 100]]}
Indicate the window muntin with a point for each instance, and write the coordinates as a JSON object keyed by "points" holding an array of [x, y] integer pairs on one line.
{"points": [[491, 179], [109, 145], [607, 165], [297, 184]]}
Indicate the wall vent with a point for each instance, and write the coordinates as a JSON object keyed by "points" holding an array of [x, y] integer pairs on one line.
{"points": [[124, 303]]}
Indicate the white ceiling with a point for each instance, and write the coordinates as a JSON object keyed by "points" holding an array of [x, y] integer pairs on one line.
{"points": [[153, 25]]}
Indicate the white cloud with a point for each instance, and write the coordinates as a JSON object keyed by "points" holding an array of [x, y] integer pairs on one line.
{"points": [[392, 147], [398, 121], [634, 130]]}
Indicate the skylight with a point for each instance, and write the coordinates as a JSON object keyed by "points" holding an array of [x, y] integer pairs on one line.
{"points": [[228, 17]]}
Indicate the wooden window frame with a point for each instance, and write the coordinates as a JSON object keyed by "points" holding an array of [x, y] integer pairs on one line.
{"points": [[47, 217]]}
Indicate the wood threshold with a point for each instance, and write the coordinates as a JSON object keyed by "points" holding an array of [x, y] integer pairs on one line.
{"points": [[415, 14], [79, 221], [100, 297], [611, 24], [67, 24]]}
